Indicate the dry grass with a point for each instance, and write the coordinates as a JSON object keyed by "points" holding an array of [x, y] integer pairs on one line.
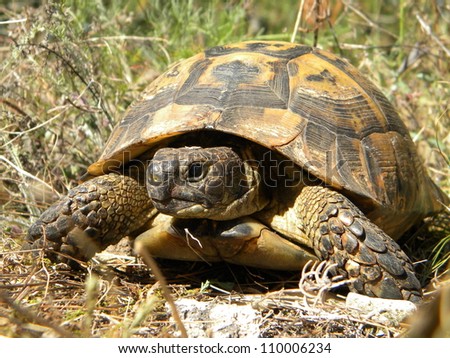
{"points": [[68, 72]]}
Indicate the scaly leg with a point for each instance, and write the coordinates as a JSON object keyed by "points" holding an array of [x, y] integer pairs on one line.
{"points": [[342, 234], [92, 216]]}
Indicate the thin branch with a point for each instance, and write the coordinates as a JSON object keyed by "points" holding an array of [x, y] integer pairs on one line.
{"points": [[16, 21], [26, 174], [368, 20], [428, 31], [125, 38], [297, 21], [150, 261]]}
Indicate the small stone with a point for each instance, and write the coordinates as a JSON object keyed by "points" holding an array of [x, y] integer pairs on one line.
{"points": [[385, 311], [214, 319]]}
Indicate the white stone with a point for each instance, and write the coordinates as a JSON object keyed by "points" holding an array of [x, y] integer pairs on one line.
{"points": [[218, 319], [385, 311]]}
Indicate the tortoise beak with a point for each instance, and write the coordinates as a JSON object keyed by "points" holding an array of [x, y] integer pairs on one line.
{"points": [[158, 180]]}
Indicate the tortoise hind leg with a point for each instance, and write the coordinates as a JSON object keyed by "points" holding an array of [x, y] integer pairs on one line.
{"points": [[93, 215], [342, 234]]}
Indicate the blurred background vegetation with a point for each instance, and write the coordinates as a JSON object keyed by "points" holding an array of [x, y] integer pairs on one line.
{"points": [[69, 69]]}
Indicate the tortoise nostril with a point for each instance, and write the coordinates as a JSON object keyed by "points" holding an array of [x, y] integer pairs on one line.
{"points": [[155, 178], [155, 173], [157, 181]]}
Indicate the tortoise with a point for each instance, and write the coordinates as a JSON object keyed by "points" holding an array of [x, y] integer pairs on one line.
{"points": [[266, 154]]}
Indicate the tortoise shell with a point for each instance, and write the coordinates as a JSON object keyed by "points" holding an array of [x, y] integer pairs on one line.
{"points": [[307, 104]]}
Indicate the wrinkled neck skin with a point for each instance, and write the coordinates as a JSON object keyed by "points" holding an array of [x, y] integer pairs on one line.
{"points": [[254, 196]]}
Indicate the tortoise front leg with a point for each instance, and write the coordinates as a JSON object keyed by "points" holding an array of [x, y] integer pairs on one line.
{"points": [[242, 241], [92, 216], [342, 234]]}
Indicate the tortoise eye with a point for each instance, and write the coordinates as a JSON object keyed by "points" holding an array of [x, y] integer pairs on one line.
{"points": [[195, 171]]}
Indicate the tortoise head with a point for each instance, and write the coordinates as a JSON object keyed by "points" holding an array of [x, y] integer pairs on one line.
{"points": [[194, 182]]}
